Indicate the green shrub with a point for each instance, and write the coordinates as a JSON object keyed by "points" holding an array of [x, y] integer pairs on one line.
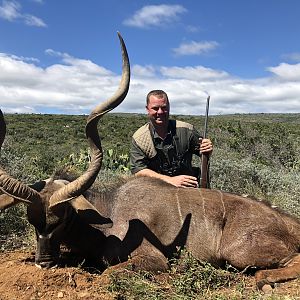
{"points": [[193, 278], [242, 176], [187, 279], [15, 231]]}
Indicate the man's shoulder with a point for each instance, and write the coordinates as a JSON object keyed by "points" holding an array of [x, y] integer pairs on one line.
{"points": [[143, 139], [182, 124], [142, 131], [185, 129]]}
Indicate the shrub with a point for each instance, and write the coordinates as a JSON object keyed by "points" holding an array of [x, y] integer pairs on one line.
{"points": [[188, 278]]}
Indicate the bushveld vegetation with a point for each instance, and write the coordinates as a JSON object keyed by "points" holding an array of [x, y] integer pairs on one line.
{"points": [[256, 154]]}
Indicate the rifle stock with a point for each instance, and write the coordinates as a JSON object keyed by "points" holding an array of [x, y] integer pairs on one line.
{"points": [[204, 179]]}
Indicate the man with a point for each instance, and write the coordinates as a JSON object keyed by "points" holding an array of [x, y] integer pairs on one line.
{"points": [[163, 148]]}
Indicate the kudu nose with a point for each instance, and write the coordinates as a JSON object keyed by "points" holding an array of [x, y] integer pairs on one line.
{"points": [[47, 253]]}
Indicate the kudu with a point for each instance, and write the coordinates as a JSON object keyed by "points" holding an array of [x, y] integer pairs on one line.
{"points": [[145, 220]]}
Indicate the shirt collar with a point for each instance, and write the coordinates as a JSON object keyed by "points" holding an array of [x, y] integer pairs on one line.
{"points": [[156, 137]]}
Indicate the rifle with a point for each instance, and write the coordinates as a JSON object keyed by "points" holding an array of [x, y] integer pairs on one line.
{"points": [[204, 179]]}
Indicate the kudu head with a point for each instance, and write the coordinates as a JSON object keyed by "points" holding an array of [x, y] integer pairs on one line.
{"points": [[54, 205]]}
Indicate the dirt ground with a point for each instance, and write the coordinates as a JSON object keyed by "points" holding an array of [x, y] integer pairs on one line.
{"points": [[21, 279]]}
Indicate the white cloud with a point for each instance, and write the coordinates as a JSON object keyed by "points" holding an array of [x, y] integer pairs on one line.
{"points": [[11, 11], [21, 110], [195, 48], [143, 71], [193, 73], [70, 87], [38, 1], [34, 21], [286, 71], [75, 85], [17, 71], [29, 59], [82, 65], [155, 15]]}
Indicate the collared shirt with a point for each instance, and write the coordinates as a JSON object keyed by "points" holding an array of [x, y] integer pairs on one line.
{"points": [[173, 153]]}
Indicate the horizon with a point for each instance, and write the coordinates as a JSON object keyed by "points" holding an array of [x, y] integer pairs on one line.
{"points": [[144, 114]]}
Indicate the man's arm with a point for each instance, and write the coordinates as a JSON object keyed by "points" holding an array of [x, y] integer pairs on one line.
{"points": [[178, 181], [140, 167]]}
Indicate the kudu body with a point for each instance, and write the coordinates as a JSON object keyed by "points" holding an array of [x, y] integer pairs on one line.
{"points": [[147, 220]]}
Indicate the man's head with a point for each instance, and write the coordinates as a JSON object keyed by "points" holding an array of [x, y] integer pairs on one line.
{"points": [[158, 107]]}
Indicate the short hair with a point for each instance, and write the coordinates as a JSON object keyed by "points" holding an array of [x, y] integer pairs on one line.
{"points": [[159, 93]]}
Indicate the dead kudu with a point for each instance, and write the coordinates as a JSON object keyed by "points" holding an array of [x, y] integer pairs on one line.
{"points": [[145, 220]]}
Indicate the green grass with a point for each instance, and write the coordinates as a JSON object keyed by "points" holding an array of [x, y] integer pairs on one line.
{"points": [[255, 154]]}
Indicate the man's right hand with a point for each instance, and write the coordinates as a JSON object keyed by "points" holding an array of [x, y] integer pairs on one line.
{"points": [[183, 181]]}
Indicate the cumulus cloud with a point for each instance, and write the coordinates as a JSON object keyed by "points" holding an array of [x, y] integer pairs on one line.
{"points": [[195, 48], [33, 21], [144, 71], [69, 86], [193, 73], [82, 65], [75, 85], [155, 16], [11, 11], [38, 1], [28, 59], [286, 71]]}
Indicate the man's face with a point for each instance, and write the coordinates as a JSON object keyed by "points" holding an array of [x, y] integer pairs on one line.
{"points": [[158, 110]]}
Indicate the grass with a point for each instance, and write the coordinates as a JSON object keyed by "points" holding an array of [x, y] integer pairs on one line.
{"points": [[187, 279], [257, 155]]}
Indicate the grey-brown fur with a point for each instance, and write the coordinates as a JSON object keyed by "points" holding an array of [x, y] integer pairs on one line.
{"points": [[152, 219]]}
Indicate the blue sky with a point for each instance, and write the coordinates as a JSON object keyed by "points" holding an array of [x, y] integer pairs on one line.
{"points": [[63, 56]]}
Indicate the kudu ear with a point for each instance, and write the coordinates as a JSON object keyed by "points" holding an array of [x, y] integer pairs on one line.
{"points": [[7, 201], [89, 213], [38, 186]]}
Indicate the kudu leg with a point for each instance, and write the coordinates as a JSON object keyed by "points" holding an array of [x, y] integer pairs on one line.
{"points": [[145, 257], [142, 263], [154, 264], [267, 278]]}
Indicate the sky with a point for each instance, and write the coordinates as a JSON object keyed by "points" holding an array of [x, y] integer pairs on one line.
{"points": [[63, 56]]}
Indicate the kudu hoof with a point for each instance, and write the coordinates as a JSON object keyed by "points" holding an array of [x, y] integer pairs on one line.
{"points": [[265, 286]]}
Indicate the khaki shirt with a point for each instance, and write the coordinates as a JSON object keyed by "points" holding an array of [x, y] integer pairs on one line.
{"points": [[170, 156]]}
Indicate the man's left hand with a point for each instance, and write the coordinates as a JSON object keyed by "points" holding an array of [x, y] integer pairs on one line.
{"points": [[206, 146]]}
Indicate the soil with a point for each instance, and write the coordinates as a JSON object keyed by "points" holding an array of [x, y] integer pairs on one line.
{"points": [[21, 279]]}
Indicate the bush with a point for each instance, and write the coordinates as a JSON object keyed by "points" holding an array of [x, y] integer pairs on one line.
{"points": [[193, 278], [243, 176], [187, 279]]}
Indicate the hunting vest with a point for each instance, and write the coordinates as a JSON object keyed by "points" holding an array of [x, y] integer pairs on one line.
{"points": [[143, 137]]}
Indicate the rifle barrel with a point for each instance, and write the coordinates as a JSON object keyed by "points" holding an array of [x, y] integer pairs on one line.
{"points": [[204, 179], [206, 117]]}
